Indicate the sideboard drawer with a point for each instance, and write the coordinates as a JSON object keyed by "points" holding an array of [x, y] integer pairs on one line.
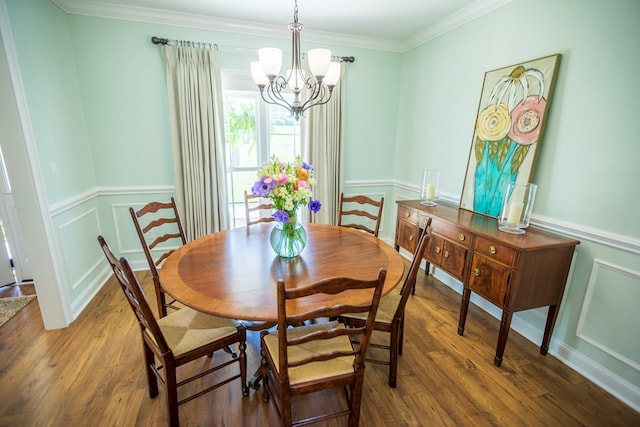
{"points": [[447, 255], [453, 233], [410, 215], [489, 279], [407, 234], [494, 250]]}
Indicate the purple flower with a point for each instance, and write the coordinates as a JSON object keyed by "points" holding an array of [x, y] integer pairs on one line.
{"points": [[314, 205], [307, 166], [281, 216], [263, 187]]}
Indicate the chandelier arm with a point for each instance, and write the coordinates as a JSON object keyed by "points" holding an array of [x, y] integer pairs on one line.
{"points": [[276, 87], [273, 97], [319, 98]]}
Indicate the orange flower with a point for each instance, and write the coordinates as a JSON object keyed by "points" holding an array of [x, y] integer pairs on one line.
{"points": [[302, 174]]}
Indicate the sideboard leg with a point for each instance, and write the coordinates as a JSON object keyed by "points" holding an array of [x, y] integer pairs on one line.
{"points": [[505, 325], [548, 329], [464, 307]]}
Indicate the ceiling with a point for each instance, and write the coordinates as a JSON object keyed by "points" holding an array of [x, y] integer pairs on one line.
{"points": [[383, 24]]}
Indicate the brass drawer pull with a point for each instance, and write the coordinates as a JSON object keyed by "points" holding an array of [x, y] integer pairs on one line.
{"points": [[461, 237], [493, 250], [410, 237], [407, 214], [476, 272], [446, 254], [438, 249]]}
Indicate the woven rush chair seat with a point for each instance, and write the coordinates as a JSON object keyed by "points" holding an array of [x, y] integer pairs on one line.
{"points": [[319, 356], [188, 329], [315, 370], [179, 338]]}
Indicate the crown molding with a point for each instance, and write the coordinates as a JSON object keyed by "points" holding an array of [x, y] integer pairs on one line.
{"points": [[464, 16], [212, 23]]}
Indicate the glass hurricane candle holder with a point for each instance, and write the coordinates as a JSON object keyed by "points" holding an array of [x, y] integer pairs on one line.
{"points": [[429, 189], [517, 207]]}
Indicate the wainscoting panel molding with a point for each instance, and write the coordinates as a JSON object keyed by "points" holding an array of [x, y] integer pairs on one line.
{"points": [[601, 322]]}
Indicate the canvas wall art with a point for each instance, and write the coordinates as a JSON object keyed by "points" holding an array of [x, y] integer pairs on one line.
{"points": [[508, 131]]}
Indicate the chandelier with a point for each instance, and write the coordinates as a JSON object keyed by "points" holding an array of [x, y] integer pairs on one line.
{"points": [[307, 91]]}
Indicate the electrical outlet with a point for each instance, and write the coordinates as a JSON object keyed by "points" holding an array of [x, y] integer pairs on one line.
{"points": [[54, 171]]}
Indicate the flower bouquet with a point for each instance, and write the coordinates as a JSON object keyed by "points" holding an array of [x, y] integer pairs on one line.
{"points": [[288, 185]]}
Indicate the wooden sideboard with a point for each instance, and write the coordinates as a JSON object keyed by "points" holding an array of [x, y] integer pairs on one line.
{"points": [[513, 271]]}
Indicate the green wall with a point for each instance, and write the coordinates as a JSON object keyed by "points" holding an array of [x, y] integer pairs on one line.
{"points": [[585, 165], [47, 63]]}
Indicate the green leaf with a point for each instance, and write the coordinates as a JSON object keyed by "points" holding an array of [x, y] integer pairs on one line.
{"points": [[503, 149], [479, 149], [493, 150], [518, 157]]}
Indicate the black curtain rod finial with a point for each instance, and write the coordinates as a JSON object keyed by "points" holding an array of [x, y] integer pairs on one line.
{"points": [[158, 40]]}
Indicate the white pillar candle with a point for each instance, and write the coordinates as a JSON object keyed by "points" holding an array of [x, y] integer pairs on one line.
{"points": [[515, 212], [431, 191]]}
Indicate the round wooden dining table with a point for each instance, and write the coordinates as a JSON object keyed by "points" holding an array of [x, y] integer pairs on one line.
{"points": [[233, 273]]}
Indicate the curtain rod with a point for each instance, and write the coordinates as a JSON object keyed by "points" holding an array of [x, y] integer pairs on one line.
{"points": [[167, 42]]}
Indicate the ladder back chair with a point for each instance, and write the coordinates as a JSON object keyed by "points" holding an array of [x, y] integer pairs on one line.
{"points": [[254, 208], [318, 356], [391, 312], [365, 210], [159, 223], [181, 337]]}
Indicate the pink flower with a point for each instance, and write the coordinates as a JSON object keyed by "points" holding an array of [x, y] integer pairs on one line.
{"points": [[304, 184], [526, 118], [281, 178]]}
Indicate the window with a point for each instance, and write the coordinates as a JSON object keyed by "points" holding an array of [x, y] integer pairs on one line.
{"points": [[254, 131]]}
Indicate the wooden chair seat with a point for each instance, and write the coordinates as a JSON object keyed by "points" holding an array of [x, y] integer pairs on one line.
{"points": [[315, 370], [179, 338], [318, 356], [188, 329]]}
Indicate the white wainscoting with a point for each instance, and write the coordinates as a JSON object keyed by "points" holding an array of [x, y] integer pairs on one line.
{"points": [[602, 275]]}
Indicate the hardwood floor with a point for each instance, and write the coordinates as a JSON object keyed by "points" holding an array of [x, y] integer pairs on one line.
{"points": [[90, 374]]}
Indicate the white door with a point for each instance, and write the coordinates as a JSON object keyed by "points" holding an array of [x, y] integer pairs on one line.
{"points": [[6, 270], [13, 263]]}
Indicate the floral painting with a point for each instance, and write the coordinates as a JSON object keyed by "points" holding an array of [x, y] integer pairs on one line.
{"points": [[508, 131]]}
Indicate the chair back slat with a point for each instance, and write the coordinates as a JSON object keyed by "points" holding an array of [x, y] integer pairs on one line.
{"points": [[369, 291], [157, 223], [360, 213], [256, 211]]}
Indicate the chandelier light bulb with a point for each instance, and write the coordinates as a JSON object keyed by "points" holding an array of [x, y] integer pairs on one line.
{"points": [[333, 75], [259, 77], [271, 60], [319, 60]]}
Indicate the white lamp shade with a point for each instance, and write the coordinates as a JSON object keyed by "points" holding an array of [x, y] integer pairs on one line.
{"points": [[258, 74], [270, 60], [319, 60], [333, 75]]}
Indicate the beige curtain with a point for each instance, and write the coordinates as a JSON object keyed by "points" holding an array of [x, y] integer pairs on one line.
{"points": [[196, 116], [323, 147]]}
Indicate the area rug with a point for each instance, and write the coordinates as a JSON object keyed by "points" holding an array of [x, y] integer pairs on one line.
{"points": [[12, 305]]}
